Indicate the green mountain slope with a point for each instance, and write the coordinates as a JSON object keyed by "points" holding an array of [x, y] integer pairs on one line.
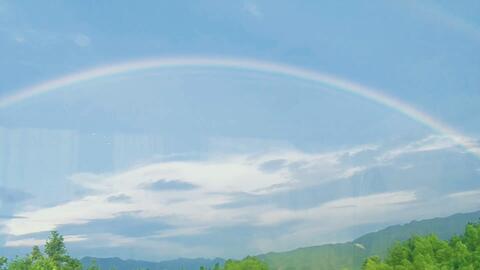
{"points": [[341, 256], [351, 255], [331, 256], [377, 243]]}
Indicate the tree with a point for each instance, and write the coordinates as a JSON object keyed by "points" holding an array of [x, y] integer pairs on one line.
{"points": [[3, 263], [431, 253], [375, 263], [56, 258], [55, 247], [248, 263], [57, 254], [36, 254]]}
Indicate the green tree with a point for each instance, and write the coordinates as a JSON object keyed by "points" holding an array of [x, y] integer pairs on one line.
{"points": [[3, 263], [57, 253], [55, 247], [431, 253], [248, 263], [44, 264], [375, 263], [56, 258], [36, 254]]}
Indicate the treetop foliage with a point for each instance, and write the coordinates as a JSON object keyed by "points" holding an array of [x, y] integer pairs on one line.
{"points": [[431, 253], [54, 257], [248, 263]]}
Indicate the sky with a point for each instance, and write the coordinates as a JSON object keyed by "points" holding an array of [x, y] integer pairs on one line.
{"points": [[215, 161]]}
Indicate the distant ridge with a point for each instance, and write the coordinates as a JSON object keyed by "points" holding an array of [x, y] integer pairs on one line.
{"points": [[176, 264], [351, 255], [445, 228]]}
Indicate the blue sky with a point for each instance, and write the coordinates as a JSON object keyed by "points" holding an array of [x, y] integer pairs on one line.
{"points": [[204, 161]]}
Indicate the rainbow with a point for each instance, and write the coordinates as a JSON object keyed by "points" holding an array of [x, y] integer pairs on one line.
{"points": [[326, 80]]}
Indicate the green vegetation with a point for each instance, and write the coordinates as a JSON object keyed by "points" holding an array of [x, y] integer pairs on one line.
{"points": [[378, 243], [325, 257], [248, 263], [431, 253], [55, 257], [351, 255], [391, 249]]}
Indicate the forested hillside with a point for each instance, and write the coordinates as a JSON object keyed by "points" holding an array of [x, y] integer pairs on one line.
{"points": [[352, 255], [441, 243], [429, 253]]}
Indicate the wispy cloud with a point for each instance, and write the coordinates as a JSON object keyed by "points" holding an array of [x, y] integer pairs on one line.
{"points": [[253, 9], [177, 199], [313, 226], [430, 143], [81, 40], [466, 194], [29, 242], [195, 194], [329, 210]]}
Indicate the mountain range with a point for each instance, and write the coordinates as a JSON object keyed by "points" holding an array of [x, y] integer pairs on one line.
{"points": [[349, 255], [180, 263]]}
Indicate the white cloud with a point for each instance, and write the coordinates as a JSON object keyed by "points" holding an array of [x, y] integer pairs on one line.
{"points": [[74, 238], [430, 143], [322, 224], [332, 210], [29, 242], [74, 212], [253, 9], [353, 171], [180, 232], [149, 247], [373, 201], [464, 194], [216, 181], [406, 167], [19, 39], [312, 226], [81, 40]]}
